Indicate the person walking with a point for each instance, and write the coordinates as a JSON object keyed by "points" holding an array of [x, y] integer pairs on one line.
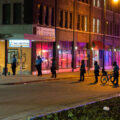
{"points": [[115, 74], [39, 65], [82, 71], [13, 64], [53, 68], [96, 71]]}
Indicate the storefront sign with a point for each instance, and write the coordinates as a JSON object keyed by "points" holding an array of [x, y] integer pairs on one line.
{"points": [[47, 33], [19, 43]]}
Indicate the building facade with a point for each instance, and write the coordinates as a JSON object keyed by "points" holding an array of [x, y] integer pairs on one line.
{"points": [[16, 19], [70, 31]]}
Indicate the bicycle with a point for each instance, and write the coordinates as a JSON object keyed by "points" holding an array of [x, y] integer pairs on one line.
{"points": [[106, 78]]}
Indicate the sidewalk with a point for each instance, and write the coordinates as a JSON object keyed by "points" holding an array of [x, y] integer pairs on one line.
{"points": [[19, 79]]}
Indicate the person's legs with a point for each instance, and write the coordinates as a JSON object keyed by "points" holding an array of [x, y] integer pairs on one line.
{"points": [[83, 77], [55, 73], [96, 79]]}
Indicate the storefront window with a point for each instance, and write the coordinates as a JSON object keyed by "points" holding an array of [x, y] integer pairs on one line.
{"points": [[65, 54], [45, 51]]}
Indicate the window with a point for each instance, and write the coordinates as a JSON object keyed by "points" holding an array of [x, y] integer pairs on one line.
{"points": [[66, 19], [86, 25], [96, 3], [17, 13], [47, 16], [70, 21], [93, 24], [98, 26], [61, 18], [83, 23], [78, 22], [52, 17], [6, 14], [41, 15]]}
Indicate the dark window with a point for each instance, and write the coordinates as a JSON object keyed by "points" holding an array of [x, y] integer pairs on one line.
{"points": [[52, 17], [78, 22], [66, 19], [41, 15], [17, 13], [6, 14], [61, 18], [83, 23], [47, 16], [71, 20]]}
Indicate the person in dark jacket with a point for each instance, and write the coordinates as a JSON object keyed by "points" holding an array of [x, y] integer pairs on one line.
{"points": [[39, 65], [53, 68], [96, 71], [13, 64], [115, 74], [82, 71]]}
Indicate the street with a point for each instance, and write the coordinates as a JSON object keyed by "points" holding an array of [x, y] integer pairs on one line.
{"points": [[22, 101]]}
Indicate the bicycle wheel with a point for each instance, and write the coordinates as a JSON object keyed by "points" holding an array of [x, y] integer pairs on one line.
{"points": [[111, 78], [104, 79]]}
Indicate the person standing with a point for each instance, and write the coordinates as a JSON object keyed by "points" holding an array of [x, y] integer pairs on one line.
{"points": [[39, 65], [13, 64], [115, 74], [53, 68], [82, 71], [96, 71]]}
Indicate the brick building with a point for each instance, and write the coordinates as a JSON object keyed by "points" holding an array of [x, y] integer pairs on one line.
{"points": [[79, 26]]}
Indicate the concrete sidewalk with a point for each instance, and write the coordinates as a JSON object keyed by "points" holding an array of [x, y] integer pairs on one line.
{"points": [[19, 79]]}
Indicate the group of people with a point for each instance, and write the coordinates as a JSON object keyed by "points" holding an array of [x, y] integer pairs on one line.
{"points": [[96, 72], [38, 64]]}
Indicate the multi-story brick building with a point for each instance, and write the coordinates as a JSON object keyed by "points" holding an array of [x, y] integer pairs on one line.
{"points": [[80, 24], [73, 30]]}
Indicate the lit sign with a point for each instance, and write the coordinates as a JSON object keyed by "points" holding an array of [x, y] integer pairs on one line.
{"points": [[19, 43], [47, 33]]}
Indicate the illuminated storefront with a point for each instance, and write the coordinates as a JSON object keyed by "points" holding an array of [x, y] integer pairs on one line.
{"points": [[2, 55]]}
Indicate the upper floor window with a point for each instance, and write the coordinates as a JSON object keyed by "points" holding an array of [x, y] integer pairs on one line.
{"points": [[17, 13], [41, 14], [6, 14], [96, 3], [47, 16], [94, 24], [61, 18], [52, 17], [70, 26], [98, 25], [66, 19], [78, 22]]}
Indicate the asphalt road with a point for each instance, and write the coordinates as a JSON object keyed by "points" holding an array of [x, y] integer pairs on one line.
{"points": [[18, 102]]}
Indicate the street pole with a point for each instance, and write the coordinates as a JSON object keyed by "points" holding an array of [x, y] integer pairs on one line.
{"points": [[73, 43], [55, 50], [6, 57], [89, 45], [104, 31]]}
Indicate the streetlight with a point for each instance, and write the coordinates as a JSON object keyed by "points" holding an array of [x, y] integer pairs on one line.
{"points": [[115, 1]]}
